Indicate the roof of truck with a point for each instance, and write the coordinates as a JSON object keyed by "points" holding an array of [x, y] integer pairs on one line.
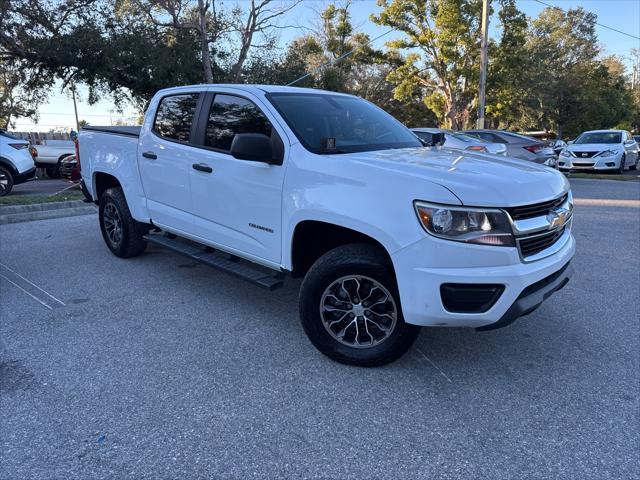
{"points": [[254, 88]]}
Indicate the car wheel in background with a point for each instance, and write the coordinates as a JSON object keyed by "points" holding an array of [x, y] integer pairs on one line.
{"points": [[350, 307], [635, 165], [6, 181], [623, 160], [53, 171], [122, 234]]}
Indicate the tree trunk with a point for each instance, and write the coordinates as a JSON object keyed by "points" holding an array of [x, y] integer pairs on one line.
{"points": [[204, 42]]}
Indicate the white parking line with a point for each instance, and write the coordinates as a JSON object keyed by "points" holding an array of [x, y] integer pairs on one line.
{"points": [[606, 202], [32, 296], [433, 364], [33, 284]]}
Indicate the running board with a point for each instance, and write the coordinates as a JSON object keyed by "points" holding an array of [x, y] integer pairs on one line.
{"points": [[217, 259]]}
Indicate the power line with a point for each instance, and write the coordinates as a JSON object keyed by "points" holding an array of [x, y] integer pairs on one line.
{"points": [[337, 59], [599, 24]]}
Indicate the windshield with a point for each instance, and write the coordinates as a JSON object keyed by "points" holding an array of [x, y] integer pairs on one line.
{"points": [[327, 123], [599, 137]]}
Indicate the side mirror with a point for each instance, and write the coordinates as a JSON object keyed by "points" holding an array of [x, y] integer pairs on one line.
{"points": [[437, 139], [255, 147], [570, 142]]}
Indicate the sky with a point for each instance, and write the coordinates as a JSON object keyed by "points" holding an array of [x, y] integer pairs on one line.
{"points": [[622, 15]]}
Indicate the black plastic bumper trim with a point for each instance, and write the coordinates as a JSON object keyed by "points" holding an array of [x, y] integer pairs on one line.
{"points": [[24, 176], [532, 296]]}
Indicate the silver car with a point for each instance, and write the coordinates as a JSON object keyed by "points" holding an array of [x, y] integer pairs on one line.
{"points": [[518, 146], [460, 141]]}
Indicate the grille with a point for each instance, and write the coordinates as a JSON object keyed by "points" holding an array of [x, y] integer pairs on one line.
{"points": [[536, 243], [537, 210], [583, 164], [582, 154]]}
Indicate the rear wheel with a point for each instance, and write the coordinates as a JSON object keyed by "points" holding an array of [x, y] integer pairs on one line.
{"points": [[122, 234], [350, 307], [6, 181]]}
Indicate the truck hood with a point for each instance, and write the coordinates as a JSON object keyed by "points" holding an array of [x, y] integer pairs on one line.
{"points": [[476, 179]]}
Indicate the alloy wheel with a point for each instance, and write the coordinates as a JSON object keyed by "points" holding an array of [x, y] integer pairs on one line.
{"points": [[112, 224], [358, 311], [4, 181]]}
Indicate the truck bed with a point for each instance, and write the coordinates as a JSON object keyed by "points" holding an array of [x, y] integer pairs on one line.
{"points": [[128, 130]]}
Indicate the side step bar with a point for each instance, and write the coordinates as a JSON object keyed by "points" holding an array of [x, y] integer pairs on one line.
{"points": [[256, 274]]}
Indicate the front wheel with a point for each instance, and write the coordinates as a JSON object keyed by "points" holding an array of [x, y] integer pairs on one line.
{"points": [[350, 307], [622, 164], [122, 234], [6, 181]]}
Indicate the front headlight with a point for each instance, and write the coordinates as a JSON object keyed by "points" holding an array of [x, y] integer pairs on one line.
{"points": [[471, 225], [565, 153], [609, 153]]}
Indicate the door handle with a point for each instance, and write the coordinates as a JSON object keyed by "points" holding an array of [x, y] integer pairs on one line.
{"points": [[149, 155], [202, 167]]}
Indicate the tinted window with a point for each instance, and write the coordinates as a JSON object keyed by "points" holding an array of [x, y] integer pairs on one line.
{"points": [[486, 136], [175, 116], [230, 115], [516, 137], [347, 124]]}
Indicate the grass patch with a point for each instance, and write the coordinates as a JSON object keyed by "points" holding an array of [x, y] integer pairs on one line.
{"points": [[601, 176], [65, 196]]}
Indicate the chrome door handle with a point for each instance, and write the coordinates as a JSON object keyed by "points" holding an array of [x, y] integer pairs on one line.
{"points": [[202, 167]]}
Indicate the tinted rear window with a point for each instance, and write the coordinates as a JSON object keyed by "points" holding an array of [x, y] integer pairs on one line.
{"points": [[175, 116]]}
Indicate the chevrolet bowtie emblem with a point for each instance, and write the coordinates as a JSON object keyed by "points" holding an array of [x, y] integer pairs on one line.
{"points": [[558, 217]]}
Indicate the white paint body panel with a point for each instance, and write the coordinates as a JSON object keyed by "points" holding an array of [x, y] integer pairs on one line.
{"points": [[370, 192], [50, 152]]}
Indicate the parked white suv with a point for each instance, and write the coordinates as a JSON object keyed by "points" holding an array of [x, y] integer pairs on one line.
{"points": [[601, 150], [264, 181], [16, 162]]}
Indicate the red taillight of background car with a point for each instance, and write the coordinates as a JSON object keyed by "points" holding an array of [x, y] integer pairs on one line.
{"points": [[33, 151], [19, 146], [476, 148], [77, 146], [533, 148]]}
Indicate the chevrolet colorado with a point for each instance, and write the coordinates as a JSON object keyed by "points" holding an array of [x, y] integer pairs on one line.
{"points": [[389, 235]]}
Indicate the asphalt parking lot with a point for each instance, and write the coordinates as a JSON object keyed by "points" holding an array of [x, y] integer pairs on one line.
{"points": [[157, 367]]}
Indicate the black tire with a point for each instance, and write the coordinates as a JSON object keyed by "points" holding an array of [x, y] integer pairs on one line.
{"points": [[623, 160], [358, 260], [129, 242], [53, 171], [635, 165], [6, 181], [87, 196]]}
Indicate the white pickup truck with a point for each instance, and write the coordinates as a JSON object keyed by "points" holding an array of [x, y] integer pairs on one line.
{"points": [[389, 235]]}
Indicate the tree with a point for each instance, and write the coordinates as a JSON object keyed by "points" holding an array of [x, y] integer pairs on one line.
{"points": [[443, 38], [20, 93], [339, 58]]}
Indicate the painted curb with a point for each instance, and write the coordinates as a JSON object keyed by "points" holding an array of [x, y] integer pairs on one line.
{"points": [[43, 211]]}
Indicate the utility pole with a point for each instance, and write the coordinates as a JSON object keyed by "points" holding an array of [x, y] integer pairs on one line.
{"points": [[484, 57], [75, 107]]}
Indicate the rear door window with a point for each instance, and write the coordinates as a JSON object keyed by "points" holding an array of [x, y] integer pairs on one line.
{"points": [[174, 118], [230, 115]]}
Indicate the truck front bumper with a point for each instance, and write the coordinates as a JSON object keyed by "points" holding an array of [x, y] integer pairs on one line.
{"points": [[424, 267]]}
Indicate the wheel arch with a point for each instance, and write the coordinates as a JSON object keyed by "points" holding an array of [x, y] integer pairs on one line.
{"points": [[313, 238], [101, 182], [5, 162]]}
